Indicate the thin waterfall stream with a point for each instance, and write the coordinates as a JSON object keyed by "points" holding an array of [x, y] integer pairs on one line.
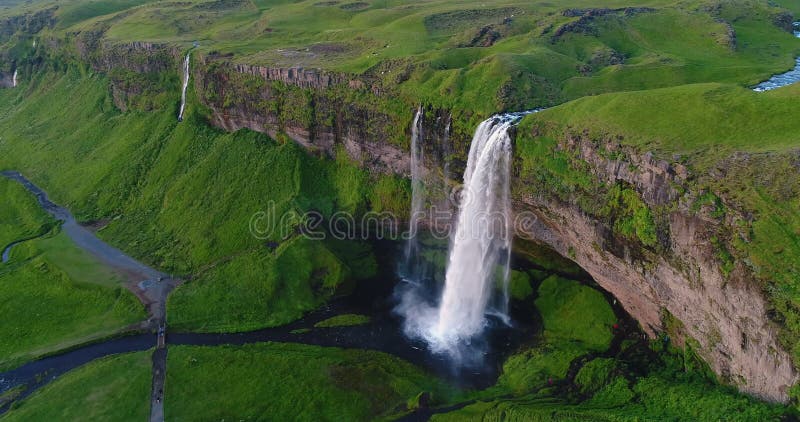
{"points": [[185, 85]]}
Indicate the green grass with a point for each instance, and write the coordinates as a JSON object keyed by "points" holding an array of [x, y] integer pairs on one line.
{"points": [[257, 289], [114, 388], [55, 296], [290, 382], [345, 320], [704, 122], [422, 50], [577, 320], [21, 217]]}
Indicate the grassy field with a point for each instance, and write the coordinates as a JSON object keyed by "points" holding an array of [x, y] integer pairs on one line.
{"points": [[290, 382], [54, 295], [114, 388], [469, 56]]}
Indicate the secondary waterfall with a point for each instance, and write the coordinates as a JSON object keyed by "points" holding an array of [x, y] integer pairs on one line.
{"points": [[411, 267], [14, 79], [185, 85], [480, 249]]}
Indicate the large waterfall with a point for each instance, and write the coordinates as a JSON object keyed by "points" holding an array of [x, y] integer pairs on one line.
{"points": [[185, 85], [482, 239], [478, 264]]}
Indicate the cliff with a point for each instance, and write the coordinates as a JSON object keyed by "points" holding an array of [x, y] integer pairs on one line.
{"points": [[672, 270]]}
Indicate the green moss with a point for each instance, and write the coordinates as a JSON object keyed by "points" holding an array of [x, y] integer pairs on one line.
{"points": [[573, 312], [519, 285], [631, 217], [327, 383], [577, 320], [595, 375], [345, 320]]}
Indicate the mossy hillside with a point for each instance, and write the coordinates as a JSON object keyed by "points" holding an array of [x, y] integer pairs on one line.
{"points": [[182, 196], [258, 289], [313, 383], [577, 320], [113, 388], [431, 52]]}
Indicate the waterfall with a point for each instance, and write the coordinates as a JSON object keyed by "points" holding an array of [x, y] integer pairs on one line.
{"points": [[185, 85], [480, 250], [482, 239], [14, 79], [410, 270]]}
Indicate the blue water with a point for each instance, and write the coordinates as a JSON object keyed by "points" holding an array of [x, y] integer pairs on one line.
{"points": [[783, 79]]}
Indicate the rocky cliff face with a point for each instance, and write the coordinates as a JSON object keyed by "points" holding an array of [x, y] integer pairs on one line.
{"points": [[325, 112], [135, 68], [721, 310]]}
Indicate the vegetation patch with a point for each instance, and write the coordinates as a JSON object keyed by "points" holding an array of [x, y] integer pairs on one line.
{"points": [[113, 388], [329, 383], [345, 320]]}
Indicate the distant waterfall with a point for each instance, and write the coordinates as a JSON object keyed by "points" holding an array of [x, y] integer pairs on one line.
{"points": [[185, 85], [14, 79], [480, 249]]}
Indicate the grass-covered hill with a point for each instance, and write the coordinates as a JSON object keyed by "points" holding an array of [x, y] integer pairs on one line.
{"points": [[465, 55]]}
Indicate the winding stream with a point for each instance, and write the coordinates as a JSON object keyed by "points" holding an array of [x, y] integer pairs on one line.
{"points": [[783, 79]]}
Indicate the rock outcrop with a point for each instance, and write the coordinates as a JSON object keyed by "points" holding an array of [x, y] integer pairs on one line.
{"points": [[723, 313]]}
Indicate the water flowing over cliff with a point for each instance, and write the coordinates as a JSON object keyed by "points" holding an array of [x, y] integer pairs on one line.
{"points": [[480, 248], [185, 85], [14, 79]]}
